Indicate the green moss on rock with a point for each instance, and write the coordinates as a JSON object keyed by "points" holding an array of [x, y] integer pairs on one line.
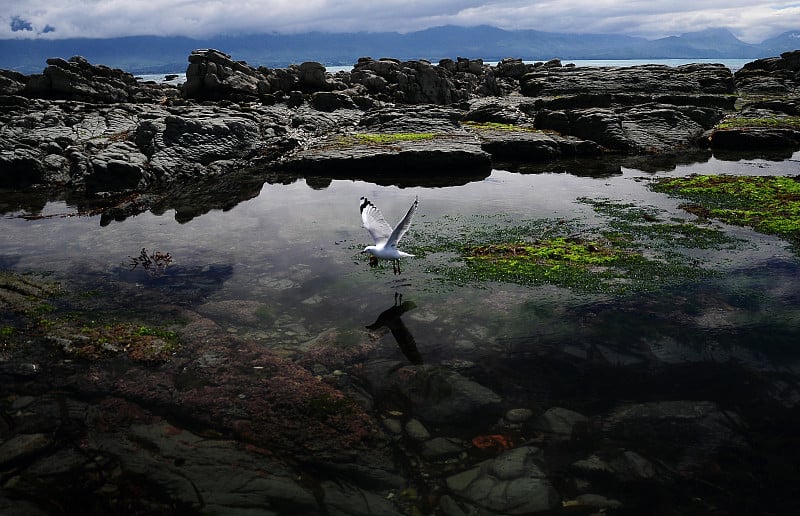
{"points": [[768, 204], [497, 126], [386, 138], [774, 122]]}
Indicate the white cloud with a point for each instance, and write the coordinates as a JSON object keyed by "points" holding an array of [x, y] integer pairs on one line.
{"points": [[751, 20]]}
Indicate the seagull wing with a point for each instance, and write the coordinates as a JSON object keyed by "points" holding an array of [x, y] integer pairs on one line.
{"points": [[378, 228], [403, 225]]}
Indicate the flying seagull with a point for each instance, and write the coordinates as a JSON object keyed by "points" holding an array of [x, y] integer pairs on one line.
{"points": [[385, 237]]}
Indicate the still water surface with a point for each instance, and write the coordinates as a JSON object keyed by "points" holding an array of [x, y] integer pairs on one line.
{"points": [[294, 249]]}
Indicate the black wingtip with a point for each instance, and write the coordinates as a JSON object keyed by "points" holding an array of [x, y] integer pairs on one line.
{"points": [[364, 203]]}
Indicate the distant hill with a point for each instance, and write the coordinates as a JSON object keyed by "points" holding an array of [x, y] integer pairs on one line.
{"points": [[786, 41], [154, 54]]}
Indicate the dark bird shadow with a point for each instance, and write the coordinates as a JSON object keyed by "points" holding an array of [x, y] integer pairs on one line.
{"points": [[392, 318]]}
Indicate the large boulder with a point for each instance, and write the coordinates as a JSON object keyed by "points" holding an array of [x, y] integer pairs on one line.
{"points": [[313, 77], [11, 82], [77, 79], [213, 75], [771, 75], [417, 82]]}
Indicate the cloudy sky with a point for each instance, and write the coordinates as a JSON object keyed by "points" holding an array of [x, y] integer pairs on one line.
{"points": [[750, 20]]}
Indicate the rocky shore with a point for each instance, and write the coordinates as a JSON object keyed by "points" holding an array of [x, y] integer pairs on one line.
{"points": [[102, 133], [117, 418]]}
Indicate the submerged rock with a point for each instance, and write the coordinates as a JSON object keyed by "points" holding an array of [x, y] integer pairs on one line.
{"points": [[560, 423], [692, 430], [513, 483], [442, 396]]}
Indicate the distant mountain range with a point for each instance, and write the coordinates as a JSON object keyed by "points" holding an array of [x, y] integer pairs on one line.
{"points": [[154, 54]]}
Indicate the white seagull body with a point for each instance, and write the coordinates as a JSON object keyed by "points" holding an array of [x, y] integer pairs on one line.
{"points": [[385, 237]]}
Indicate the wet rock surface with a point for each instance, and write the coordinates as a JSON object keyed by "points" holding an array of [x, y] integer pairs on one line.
{"points": [[104, 133]]}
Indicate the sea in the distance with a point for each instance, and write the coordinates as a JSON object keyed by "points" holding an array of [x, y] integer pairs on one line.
{"points": [[733, 64]]}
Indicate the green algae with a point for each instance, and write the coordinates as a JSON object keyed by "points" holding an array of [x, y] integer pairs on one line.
{"points": [[27, 294], [775, 122], [387, 138], [28, 297], [768, 204], [93, 341], [633, 250], [497, 126], [645, 225], [561, 261]]}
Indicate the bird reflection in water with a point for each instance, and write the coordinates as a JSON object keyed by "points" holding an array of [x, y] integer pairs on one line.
{"points": [[392, 318]]}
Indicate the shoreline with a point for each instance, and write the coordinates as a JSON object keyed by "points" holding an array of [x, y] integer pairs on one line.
{"points": [[731, 64]]}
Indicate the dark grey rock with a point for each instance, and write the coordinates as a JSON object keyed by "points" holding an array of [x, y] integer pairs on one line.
{"points": [[514, 68], [771, 75], [313, 77], [11, 82], [450, 506], [551, 80], [513, 483], [559, 423], [118, 167], [659, 128], [16, 507], [684, 432], [348, 500], [21, 446], [518, 415], [597, 501], [754, 138], [520, 145], [412, 82], [20, 167], [446, 156], [430, 144], [441, 448], [600, 125], [443, 396], [330, 101], [213, 75], [77, 79], [622, 465], [194, 139], [416, 430], [209, 474]]}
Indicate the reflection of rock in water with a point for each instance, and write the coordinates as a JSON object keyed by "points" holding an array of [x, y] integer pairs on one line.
{"points": [[392, 318], [177, 283]]}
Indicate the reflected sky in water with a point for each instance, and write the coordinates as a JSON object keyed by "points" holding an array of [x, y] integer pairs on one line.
{"points": [[294, 249]]}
